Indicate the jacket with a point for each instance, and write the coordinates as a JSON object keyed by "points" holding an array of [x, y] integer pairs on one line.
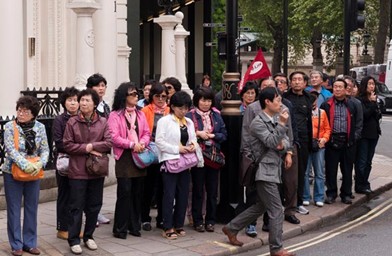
{"points": [[168, 138], [266, 135], [354, 122], [59, 124], [78, 133], [118, 130], [219, 127], [150, 114], [371, 119], [18, 157], [325, 129]]}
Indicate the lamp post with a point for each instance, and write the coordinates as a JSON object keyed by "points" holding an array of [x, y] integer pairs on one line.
{"points": [[366, 40], [168, 5]]}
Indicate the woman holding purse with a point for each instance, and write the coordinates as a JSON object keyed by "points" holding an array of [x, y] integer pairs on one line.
{"points": [[86, 135], [130, 133], [24, 138], [175, 137], [211, 130]]}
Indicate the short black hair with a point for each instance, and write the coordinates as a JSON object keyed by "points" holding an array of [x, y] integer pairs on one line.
{"points": [[313, 97], [180, 99], [149, 82], [173, 81], [340, 80], [95, 80], [306, 78], [121, 94], [29, 102], [67, 93], [268, 93], [157, 89], [206, 93], [249, 86], [89, 91], [280, 74]]}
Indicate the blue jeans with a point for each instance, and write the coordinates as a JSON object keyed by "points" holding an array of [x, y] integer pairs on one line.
{"points": [[363, 164], [14, 191], [316, 159]]}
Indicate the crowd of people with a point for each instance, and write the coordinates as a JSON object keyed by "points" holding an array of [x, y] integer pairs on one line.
{"points": [[298, 130]]}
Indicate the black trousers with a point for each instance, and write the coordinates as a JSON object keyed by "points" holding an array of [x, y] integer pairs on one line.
{"points": [[62, 207], [207, 177], [152, 187], [85, 196], [128, 205], [303, 154], [345, 157]]}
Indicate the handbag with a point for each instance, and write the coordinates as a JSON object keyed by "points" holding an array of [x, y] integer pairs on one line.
{"points": [[146, 158], [62, 164], [185, 162], [315, 141], [248, 168], [97, 165], [213, 156], [17, 173]]}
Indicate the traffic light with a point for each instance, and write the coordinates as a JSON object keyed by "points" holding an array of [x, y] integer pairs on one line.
{"points": [[356, 14]]}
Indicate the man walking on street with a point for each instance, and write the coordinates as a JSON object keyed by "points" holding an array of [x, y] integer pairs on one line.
{"points": [[268, 137]]}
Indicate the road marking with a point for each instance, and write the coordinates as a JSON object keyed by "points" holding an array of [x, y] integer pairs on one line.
{"points": [[377, 211]]}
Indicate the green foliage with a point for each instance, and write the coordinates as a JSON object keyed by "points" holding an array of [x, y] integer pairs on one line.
{"points": [[218, 66]]}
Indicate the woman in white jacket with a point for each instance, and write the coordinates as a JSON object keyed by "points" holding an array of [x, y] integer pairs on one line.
{"points": [[175, 135]]}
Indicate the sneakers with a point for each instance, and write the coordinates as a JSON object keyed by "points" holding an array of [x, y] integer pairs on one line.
{"points": [[302, 210], [319, 204], [306, 203], [102, 219], [76, 249], [91, 245], [251, 231], [146, 226]]}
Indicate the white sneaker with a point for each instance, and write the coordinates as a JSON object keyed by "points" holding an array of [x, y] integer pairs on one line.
{"points": [[306, 203], [76, 249], [319, 204], [302, 210], [90, 244], [102, 219]]}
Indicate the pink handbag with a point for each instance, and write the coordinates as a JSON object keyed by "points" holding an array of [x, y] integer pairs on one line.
{"points": [[185, 162]]}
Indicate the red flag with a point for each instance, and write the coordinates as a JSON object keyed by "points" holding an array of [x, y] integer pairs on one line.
{"points": [[258, 69]]}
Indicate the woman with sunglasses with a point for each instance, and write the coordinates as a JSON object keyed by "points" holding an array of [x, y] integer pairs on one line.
{"points": [[130, 133], [156, 109]]}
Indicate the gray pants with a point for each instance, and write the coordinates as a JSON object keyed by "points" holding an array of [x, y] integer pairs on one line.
{"points": [[269, 201]]}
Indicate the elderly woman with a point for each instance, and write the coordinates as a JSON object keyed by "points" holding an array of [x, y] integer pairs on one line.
{"points": [[86, 133], [175, 136], [248, 95], [153, 181], [69, 101], [211, 129], [32, 143], [130, 132]]}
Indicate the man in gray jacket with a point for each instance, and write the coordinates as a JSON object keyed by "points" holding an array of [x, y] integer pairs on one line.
{"points": [[268, 137]]}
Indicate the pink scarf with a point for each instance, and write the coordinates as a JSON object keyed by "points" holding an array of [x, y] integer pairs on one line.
{"points": [[159, 110], [205, 117], [130, 115]]}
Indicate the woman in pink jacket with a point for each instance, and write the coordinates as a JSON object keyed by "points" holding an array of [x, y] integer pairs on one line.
{"points": [[130, 132]]}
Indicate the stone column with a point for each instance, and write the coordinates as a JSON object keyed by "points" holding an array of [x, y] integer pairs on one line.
{"points": [[180, 34], [168, 52], [13, 49], [85, 60], [123, 50], [105, 45]]}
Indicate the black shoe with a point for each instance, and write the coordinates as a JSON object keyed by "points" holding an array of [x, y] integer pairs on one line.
{"points": [[160, 225], [265, 227], [364, 191], [146, 226], [292, 219], [210, 228], [346, 200], [199, 228], [120, 235], [135, 233], [329, 200], [352, 196]]}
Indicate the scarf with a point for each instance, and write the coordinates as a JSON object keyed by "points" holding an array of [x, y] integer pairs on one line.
{"points": [[159, 110], [29, 134], [181, 122], [206, 119], [130, 116]]}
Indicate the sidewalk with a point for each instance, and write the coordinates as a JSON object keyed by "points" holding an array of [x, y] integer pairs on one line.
{"points": [[194, 243]]}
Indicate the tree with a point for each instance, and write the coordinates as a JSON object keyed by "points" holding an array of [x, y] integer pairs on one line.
{"points": [[381, 34]]}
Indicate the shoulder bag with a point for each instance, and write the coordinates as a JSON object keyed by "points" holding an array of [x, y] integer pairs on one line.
{"points": [[97, 165], [315, 141]]}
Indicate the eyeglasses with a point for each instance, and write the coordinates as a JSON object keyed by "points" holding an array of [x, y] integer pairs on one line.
{"points": [[169, 87], [23, 111], [161, 96], [133, 94], [281, 81], [250, 93]]}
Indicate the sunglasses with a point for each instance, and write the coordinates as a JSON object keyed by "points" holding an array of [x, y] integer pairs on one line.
{"points": [[133, 94], [169, 87], [161, 97]]}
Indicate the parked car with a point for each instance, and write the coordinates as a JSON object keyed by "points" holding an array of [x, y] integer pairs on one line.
{"points": [[385, 98]]}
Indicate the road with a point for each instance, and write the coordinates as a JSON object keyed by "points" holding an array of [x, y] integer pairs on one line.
{"points": [[363, 231], [385, 141]]}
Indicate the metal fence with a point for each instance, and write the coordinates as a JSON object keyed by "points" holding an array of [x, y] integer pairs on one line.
{"points": [[50, 107]]}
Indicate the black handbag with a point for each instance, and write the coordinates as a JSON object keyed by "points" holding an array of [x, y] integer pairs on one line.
{"points": [[248, 168], [213, 156], [97, 165]]}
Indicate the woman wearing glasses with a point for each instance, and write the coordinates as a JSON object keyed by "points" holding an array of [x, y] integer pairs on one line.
{"points": [[130, 132], [248, 95], [153, 182]]}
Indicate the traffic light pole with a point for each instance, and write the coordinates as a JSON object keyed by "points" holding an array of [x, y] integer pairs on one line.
{"points": [[346, 37]]}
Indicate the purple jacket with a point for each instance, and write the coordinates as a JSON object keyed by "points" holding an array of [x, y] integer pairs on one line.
{"points": [[78, 133], [118, 129]]}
